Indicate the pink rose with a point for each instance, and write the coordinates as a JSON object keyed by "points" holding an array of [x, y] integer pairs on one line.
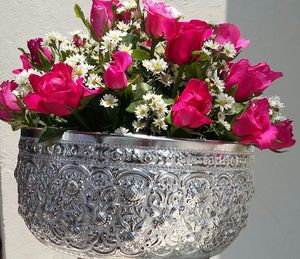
{"points": [[101, 16], [228, 32], [124, 16], [254, 125], [157, 14], [183, 38], [192, 106], [8, 101], [26, 65], [115, 76], [36, 49], [55, 92], [250, 80], [78, 41], [285, 135]]}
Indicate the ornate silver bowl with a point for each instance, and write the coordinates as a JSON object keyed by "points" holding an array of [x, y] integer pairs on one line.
{"points": [[95, 195]]}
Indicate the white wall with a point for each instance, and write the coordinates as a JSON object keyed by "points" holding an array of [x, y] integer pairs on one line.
{"points": [[274, 227], [272, 25]]}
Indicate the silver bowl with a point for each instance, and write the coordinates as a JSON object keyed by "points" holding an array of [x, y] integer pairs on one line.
{"points": [[134, 196]]}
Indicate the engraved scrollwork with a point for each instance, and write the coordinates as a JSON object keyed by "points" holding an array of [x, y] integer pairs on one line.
{"points": [[105, 200]]}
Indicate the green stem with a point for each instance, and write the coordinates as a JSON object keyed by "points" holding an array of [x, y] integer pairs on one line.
{"points": [[178, 81]]}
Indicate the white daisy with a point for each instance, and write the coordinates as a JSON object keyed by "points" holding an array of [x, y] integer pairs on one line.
{"points": [[224, 102], [109, 101], [221, 119], [81, 70], [161, 110], [53, 37], [156, 66], [276, 103], [94, 81], [122, 26], [218, 82], [141, 111], [160, 123], [211, 44], [148, 96], [126, 48], [122, 131], [115, 35], [68, 46], [76, 59], [207, 52], [229, 50], [138, 125], [166, 79]]}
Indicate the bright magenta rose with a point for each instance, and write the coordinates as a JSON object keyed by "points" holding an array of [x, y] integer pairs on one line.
{"points": [[36, 49], [229, 33], [157, 14], [192, 106], [8, 101], [55, 92], [101, 16], [250, 80], [285, 135], [115, 76], [254, 125], [183, 38]]}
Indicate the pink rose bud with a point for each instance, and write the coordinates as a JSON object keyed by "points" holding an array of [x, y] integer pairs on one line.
{"points": [[115, 76], [229, 33], [285, 135], [8, 101], [250, 80], [55, 92], [26, 65], [192, 106], [157, 14], [183, 38], [101, 16], [254, 125], [78, 41], [35, 47]]}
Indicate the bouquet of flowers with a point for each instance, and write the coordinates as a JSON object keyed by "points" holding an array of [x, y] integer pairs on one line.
{"points": [[141, 69]]}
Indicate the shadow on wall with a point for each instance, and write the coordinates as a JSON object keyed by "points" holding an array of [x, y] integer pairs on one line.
{"points": [[273, 229]]}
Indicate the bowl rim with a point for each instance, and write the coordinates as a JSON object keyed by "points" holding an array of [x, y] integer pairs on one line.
{"points": [[143, 140]]}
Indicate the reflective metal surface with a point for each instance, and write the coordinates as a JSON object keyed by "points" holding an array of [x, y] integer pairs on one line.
{"points": [[109, 196]]}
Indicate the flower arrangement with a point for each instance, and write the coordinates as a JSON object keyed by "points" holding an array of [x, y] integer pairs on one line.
{"points": [[140, 69]]}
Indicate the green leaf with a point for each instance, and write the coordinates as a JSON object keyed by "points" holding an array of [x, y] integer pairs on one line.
{"points": [[204, 57], [16, 125], [132, 106], [232, 90], [196, 52], [169, 101], [169, 118], [78, 12], [46, 64], [141, 89], [140, 54], [51, 134], [130, 39], [23, 51]]}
